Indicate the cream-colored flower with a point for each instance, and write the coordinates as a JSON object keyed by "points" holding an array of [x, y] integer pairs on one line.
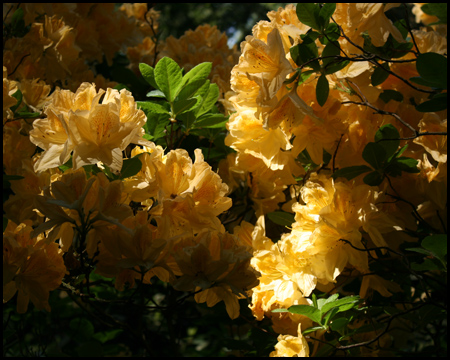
{"points": [[289, 346]]}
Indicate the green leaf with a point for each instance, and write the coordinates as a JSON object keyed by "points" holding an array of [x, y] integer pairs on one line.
{"points": [[199, 72], [152, 107], [405, 164], [209, 100], [325, 14], [17, 95], [280, 310], [380, 74], [341, 303], [130, 167], [312, 329], [437, 244], [148, 73], [105, 336], [307, 50], [334, 67], [322, 90], [27, 114], [426, 265], [432, 68], [384, 133], [195, 87], [156, 124], [309, 311], [182, 106], [308, 14], [81, 328], [168, 77], [436, 103], [373, 179], [156, 93], [281, 218], [332, 49], [388, 95], [322, 302], [339, 323], [188, 119], [351, 171], [375, 155], [305, 75], [332, 31], [436, 9], [213, 121]]}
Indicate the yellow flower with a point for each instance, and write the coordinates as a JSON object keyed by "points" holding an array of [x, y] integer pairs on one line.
{"points": [[215, 263], [436, 145], [94, 131], [31, 267], [75, 202], [140, 247], [289, 346], [103, 132], [265, 64]]}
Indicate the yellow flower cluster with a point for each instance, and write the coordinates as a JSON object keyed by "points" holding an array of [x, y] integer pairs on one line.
{"points": [[61, 43], [273, 123], [32, 267], [95, 131]]}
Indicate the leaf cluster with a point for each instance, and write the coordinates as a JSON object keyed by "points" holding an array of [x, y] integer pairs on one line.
{"points": [[384, 157]]}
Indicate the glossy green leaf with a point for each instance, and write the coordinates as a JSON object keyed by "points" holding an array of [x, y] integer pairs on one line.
{"points": [[344, 302], [309, 311], [152, 107], [305, 75], [351, 172], [383, 136], [199, 72], [181, 106], [437, 244], [374, 154], [211, 121], [332, 31], [432, 67], [406, 164], [130, 167], [339, 323], [156, 93], [388, 95], [322, 90], [325, 14], [436, 9], [195, 87], [281, 218], [380, 74], [209, 100], [18, 96], [148, 73], [335, 67], [322, 302], [373, 179], [436, 103], [308, 14], [332, 49], [168, 77]]}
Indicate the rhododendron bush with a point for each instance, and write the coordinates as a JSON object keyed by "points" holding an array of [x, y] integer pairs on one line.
{"points": [[181, 197]]}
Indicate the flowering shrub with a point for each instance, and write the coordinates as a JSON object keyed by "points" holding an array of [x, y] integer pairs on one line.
{"points": [[301, 181]]}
